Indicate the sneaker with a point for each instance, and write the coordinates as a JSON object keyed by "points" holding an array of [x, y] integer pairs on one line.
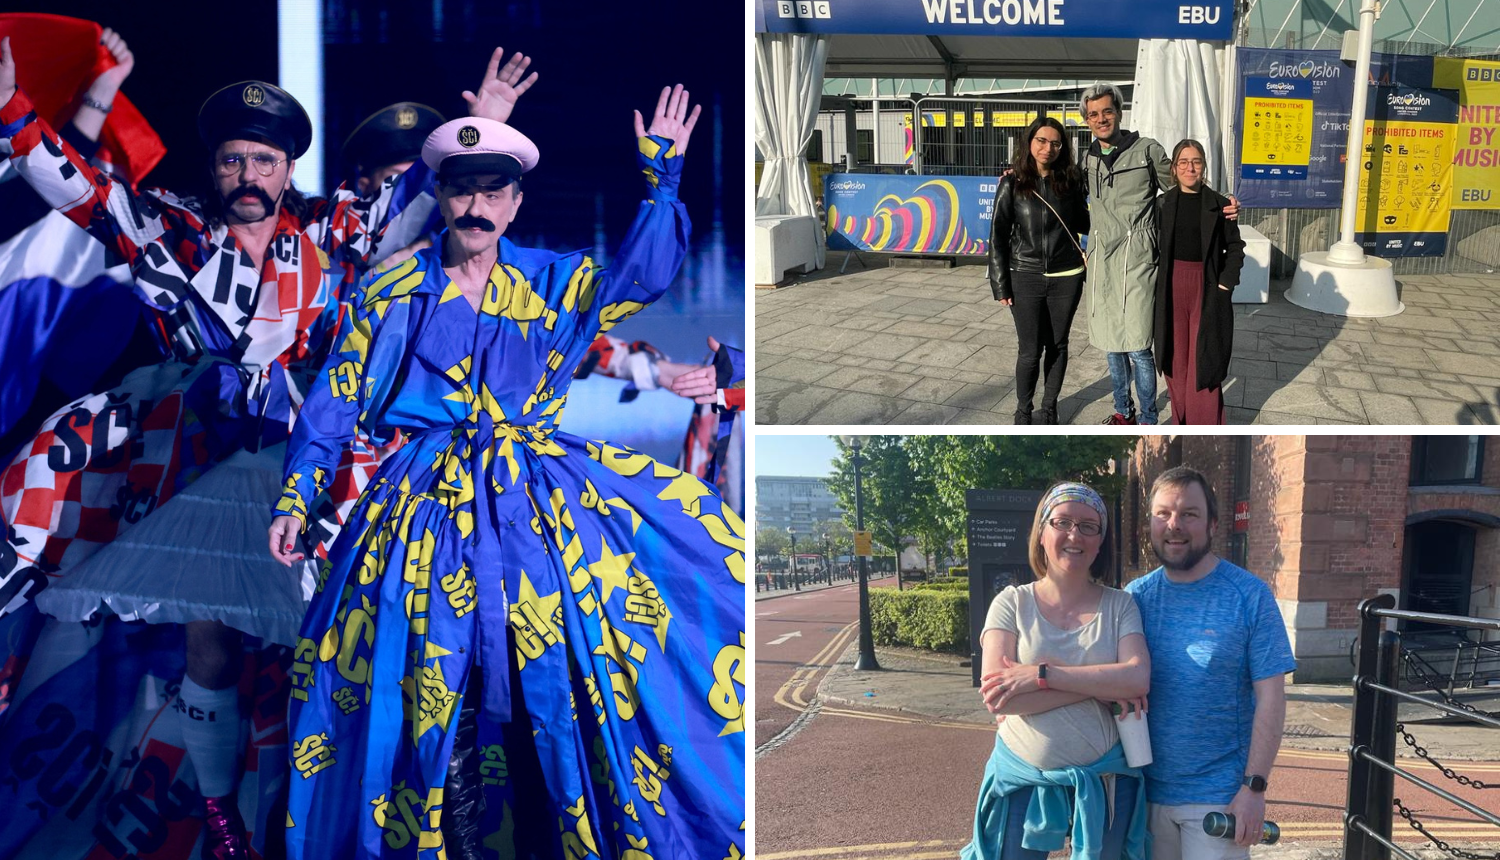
{"points": [[1045, 416], [223, 830], [1117, 418], [1023, 417]]}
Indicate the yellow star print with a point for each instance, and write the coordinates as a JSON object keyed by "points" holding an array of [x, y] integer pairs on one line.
{"points": [[612, 570]]}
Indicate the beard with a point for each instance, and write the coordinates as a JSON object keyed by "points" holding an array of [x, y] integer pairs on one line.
{"points": [[1192, 553]]}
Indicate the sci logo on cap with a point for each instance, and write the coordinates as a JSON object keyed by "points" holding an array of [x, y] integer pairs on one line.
{"points": [[468, 136], [254, 96], [406, 118]]}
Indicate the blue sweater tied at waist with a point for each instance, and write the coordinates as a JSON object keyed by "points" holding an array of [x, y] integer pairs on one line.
{"points": [[1059, 795]]}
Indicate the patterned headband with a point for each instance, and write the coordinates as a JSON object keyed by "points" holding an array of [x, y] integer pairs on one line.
{"points": [[1074, 493]]}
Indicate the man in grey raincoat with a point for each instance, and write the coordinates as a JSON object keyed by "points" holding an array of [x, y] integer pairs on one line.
{"points": [[1124, 173]]}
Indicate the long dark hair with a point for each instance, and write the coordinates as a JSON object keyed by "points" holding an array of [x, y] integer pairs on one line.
{"points": [[1064, 174]]}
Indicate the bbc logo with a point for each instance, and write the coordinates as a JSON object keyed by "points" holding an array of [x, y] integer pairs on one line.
{"points": [[803, 9], [1484, 75]]}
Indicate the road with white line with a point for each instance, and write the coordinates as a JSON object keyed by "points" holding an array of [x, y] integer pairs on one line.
{"points": [[840, 782]]}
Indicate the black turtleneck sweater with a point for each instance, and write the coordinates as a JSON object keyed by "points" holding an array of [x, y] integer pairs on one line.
{"points": [[1188, 242]]}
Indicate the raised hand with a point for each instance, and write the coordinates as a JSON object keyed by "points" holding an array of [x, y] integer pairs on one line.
{"points": [[671, 119], [7, 72], [109, 81], [502, 87]]}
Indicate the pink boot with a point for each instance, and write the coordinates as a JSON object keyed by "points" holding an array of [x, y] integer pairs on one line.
{"points": [[224, 831]]}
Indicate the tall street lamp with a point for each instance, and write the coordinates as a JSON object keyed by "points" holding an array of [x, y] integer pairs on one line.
{"points": [[866, 660], [792, 557]]}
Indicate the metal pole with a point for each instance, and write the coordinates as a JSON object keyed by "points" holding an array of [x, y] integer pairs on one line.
{"points": [[792, 557], [866, 637], [1362, 728], [1346, 251], [1383, 746]]}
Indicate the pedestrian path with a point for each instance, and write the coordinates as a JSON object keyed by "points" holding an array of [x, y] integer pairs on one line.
{"points": [[931, 346]]}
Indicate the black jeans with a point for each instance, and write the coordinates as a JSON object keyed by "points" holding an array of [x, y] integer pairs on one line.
{"points": [[1043, 309]]}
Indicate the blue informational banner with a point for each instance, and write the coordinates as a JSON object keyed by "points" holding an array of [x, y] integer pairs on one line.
{"points": [[909, 214], [1330, 83], [1121, 19]]}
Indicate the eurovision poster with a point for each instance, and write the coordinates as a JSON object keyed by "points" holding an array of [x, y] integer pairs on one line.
{"points": [[1326, 82], [1406, 172], [1278, 124], [909, 214], [1476, 153]]}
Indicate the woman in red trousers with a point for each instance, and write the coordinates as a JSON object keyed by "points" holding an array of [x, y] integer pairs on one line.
{"points": [[1200, 258]]}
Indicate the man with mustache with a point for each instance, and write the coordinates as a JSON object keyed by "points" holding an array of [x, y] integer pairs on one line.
{"points": [[1219, 656], [540, 615], [243, 291]]}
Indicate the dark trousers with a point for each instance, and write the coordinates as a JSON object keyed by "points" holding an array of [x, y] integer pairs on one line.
{"points": [[1043, 310]]}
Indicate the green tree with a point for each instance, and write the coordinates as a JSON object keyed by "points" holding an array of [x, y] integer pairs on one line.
{"points": [[771, 543], [840, 538], [955, 464], [895, 492]]}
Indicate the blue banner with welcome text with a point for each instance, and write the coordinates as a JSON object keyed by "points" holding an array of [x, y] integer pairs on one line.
{"points": [[1123, 19]]}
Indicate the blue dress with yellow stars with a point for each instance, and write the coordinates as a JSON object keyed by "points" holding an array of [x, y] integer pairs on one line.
{"points": [[599, 593]]}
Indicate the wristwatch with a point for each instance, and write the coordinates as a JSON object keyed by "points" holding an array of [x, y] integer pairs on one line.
{"points": [[1255, 782], [1041, 676]]}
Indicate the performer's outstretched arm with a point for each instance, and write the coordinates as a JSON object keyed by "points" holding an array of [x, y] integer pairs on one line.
{"points": [[108, 209], [657, 241]]}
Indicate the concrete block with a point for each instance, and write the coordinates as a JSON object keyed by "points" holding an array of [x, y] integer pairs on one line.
{"points": [[784, 243], [1255, 278]]}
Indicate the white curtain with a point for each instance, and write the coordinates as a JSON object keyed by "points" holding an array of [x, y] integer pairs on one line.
{"points": [[788, 88], [1179, 93]]}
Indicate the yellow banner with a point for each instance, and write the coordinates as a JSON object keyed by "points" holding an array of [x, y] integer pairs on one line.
{"points": [[863, 545], [1412, 163], [1476, 154], [1278, 132]]}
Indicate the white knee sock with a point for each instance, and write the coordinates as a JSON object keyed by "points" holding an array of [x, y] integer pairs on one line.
{"points": [[210, 733]]}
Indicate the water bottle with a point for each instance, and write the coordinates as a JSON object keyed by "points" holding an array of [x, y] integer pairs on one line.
{"points": [[1219, 825]]}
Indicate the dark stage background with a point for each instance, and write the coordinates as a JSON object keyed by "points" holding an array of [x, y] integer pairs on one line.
{"points": [[598, 61]]}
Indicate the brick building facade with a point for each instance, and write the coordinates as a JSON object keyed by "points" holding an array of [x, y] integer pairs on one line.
{"points": [[1328, 521]]}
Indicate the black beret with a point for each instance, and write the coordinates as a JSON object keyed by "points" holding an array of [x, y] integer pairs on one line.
{"points": [[390, 135], [256, 110]]}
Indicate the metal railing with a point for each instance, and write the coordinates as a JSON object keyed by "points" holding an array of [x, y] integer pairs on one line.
{"points": [[1371, 800], [936, 135]]}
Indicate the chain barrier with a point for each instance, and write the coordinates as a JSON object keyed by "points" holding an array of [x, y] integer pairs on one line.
{"points": [[1414, 668], [1422, 753], [1411, 665], [1416, 825]]}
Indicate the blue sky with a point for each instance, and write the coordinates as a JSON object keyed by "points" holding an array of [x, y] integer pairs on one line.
{"points": [[797, 456]]}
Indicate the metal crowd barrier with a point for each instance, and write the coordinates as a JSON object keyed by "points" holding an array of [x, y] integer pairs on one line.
{"points": [[1371, 800]]}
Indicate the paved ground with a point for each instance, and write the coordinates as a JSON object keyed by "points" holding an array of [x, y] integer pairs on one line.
{"points": [[930, 346], [855, 765]]}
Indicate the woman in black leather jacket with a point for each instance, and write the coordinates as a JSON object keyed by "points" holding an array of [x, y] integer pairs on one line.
{"points": [[1036, 262]]}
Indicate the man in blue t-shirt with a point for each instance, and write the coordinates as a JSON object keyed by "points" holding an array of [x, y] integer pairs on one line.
{"points": [[1219, 656]]}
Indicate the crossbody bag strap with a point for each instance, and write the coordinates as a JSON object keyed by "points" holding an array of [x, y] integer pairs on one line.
{"points": [[1066, 229]]}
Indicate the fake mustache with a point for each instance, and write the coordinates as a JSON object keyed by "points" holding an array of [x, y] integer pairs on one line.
{"points": [[464, 222], [249, 191]]}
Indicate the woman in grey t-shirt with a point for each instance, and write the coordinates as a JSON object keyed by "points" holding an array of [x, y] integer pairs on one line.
{"points": [[1056, 652]]}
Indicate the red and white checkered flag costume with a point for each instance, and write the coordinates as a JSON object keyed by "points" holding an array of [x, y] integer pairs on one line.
{"points": [[240, 343]]}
